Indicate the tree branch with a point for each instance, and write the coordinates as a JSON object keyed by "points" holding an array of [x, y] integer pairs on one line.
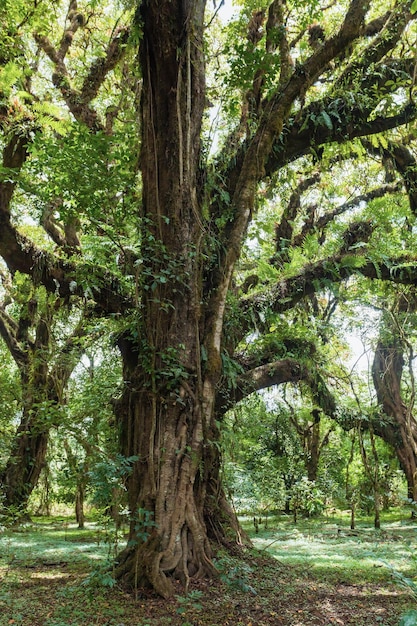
{"points": [[78, 102], [324, 220], [388, 36], [315, 276], [103, 66], [298, 138], [261, 377], [8, 332]]}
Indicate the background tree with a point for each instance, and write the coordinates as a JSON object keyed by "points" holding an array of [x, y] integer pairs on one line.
{"points": [[398, 426], [45, 352]]}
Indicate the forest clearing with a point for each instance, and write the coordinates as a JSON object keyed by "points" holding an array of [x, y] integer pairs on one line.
{"points": [[317, 573]]}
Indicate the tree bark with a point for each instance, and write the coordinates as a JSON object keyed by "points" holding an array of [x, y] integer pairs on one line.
{"points": [[26, 461], [79, 505], [28, 453], [401, 430], [166, 412]]}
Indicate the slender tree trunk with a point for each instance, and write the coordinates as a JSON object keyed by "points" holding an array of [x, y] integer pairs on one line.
{"points": [[352, 514], [312, 446], [79, 504]]}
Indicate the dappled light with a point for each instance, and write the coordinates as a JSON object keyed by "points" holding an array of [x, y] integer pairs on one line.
{"points": [[300, 575]]}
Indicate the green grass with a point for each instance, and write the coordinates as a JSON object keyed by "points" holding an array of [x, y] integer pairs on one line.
{"points": [[53, 574], [37, 544], [332, 552]]}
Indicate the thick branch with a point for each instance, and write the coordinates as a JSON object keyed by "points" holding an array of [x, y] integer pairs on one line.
{"points": [[80, 110], [388, 36], [324, 220], [288, 292], [103, 66], [284, 230], [275, 30], [272, 374], [8, 329], [261, 377], [78, 102], [68, 357], [76, 20], [60, 276], [297, 140], [406, 165]]}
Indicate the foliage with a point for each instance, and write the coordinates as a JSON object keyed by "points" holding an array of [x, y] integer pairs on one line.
{"points": [[409, 618], [190, 601], [307, 497], [235, 574], [108, 475]]}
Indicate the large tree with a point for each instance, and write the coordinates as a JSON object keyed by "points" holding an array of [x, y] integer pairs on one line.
{"points": [[185, 311]]}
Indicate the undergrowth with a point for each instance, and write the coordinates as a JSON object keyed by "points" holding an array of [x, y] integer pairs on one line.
{"points": [[53, 574]]}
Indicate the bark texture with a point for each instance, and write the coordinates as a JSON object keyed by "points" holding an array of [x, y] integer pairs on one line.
{"points": [[400, 430], [166, 410]]}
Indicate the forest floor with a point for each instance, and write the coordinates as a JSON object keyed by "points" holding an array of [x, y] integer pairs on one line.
{"points": [[314, 574]]}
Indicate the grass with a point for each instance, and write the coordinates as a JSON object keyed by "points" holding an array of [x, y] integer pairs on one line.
{"points": [[52, 574], [332, 552]]}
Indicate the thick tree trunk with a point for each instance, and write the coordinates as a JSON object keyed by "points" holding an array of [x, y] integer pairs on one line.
{"points": [[166, 413], [28, 453], [42, 393], [167, 491], [401, 431], [26, 461]]}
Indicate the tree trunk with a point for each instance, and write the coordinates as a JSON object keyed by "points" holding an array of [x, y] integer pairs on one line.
{"points": [[401, 431], [166, 414], [28, 454], [312, 446], [352, 514], [44, 508], [26, 461], [79, 505], [43, 387], [167, 492]]}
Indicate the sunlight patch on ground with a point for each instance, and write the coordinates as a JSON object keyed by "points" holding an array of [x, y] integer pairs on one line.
{"points": [[348, 557], [50, 575]]}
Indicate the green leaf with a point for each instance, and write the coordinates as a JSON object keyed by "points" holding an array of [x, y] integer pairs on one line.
{"points": [[409, 618], [414, 7], [327, 120]]}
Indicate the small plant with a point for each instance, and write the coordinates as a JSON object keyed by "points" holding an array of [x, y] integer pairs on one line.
{"points": [[100, 577], [235, 574], [189, 602], [143, 524], [409, 618]]}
